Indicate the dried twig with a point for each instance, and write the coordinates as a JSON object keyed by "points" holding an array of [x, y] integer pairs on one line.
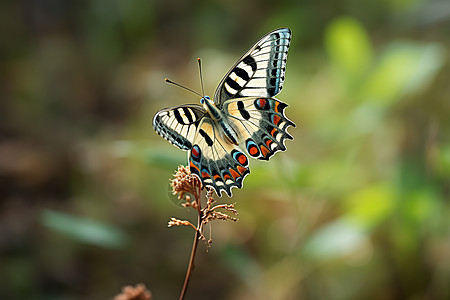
{"points": [[186, 185]]}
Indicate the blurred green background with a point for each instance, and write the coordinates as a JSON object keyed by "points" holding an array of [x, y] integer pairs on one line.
{"points": [[357, 208]]}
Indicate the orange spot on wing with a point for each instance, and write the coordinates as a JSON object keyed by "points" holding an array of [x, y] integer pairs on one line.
{"points": [[241, 169], [234, 174], [217, 177], [194, 166], [226, 177], [268, 143], [276, 106], [264, 151], [205, 175], [273, 132]]}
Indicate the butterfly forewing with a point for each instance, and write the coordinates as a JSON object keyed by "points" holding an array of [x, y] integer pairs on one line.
{"points": [[179, 124], [259, 72]]}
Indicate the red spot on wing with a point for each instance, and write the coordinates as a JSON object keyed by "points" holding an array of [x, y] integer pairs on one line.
{"points": [[268, 143], [194, 152], [262, 102], [205, 175], [242, 159], [276, 119], [253, 151]]}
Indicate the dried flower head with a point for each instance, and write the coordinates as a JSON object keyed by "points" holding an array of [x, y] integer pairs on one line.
{"points": [[211, 212], [185, 182], [139, 292], [178, 222]]}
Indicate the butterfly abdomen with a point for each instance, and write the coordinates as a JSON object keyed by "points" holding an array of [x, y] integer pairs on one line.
{"points": [[229, 132]]}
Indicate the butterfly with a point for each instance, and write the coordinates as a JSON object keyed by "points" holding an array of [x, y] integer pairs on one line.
{"points": [[243, 116]]}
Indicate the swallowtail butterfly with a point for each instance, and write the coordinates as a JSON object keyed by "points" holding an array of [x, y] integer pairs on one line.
{"points": [[243, 116]]}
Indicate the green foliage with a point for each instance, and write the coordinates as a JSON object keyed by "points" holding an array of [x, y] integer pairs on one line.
{"points": [[84, 230], [336, 239], [370, 205], [356, 208], [349, 48], [403, 68]]}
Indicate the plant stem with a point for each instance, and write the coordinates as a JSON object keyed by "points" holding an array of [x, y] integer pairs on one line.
{"points": [[193, 252]]}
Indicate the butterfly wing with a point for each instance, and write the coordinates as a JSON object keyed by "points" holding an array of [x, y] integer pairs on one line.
{"points": [[245, 98], [259, 72], [261, 123], [179, 124], [218, 163]]}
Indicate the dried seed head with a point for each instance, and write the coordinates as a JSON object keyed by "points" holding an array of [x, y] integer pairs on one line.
{"points": [[209, 194], [139, 292], [177, 222], [184, 182]]}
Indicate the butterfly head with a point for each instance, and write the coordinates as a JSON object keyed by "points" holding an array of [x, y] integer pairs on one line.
{"points": [[205, 99], [211, 108]]}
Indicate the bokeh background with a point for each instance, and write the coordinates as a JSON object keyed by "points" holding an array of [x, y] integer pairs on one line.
{"points": [[357, 208]]}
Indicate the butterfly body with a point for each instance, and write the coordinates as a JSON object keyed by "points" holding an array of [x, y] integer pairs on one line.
{"points": [[220, 119], [244, 116]]}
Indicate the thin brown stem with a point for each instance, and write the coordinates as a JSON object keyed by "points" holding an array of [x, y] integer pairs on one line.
{"points": [[194, 250], [185, 183]]}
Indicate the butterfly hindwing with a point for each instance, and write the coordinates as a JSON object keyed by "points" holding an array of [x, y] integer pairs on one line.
{"points": [[261, 123], [179, 124], [259, 72], [218, 163]]}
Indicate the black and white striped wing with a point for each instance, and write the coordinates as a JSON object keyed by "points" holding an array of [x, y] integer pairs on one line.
{"points": [[179, 124], [259, 72]]}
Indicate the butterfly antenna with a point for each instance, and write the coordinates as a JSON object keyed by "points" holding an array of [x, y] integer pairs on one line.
{"points": [[201, 75], [179, 85]]}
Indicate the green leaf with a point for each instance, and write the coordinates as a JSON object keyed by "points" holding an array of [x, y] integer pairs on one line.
{"points": [[443, 160], [84, 230], [420, 205], [336, 239], [371, 204], [402, 69], [168, 157], [242, 264], [163, 156], [349, 47]]}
